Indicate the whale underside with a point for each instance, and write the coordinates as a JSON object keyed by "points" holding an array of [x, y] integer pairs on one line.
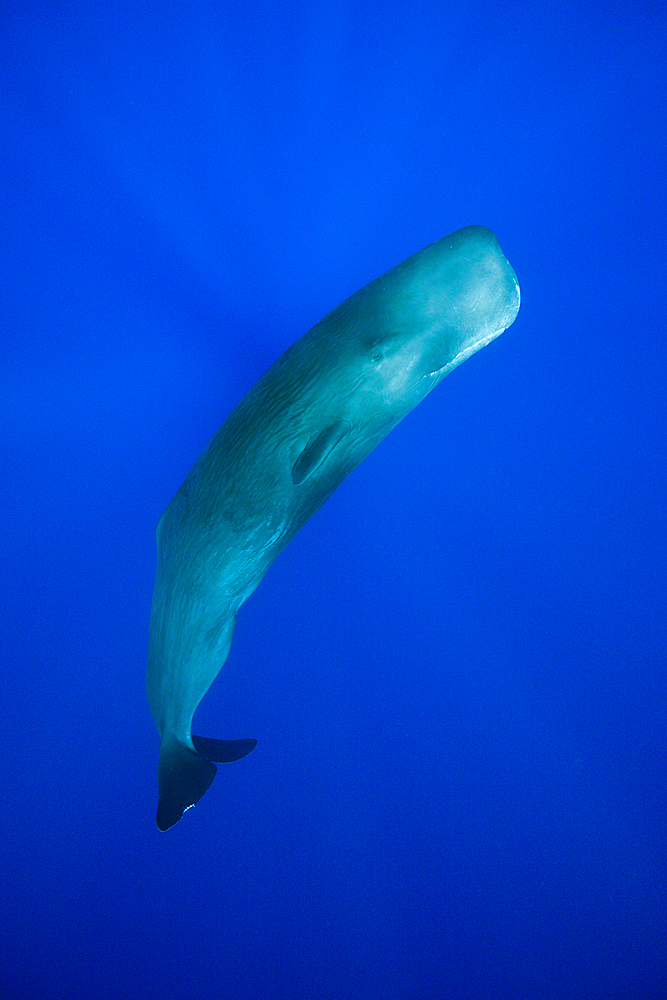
{"points": [[317, 412]]}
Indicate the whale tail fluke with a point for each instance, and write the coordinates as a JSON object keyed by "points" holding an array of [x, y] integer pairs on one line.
{"points": [[223, 751], [184, 775]]}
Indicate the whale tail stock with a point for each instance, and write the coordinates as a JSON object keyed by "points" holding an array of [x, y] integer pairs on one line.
{"points": [[185, 775]]}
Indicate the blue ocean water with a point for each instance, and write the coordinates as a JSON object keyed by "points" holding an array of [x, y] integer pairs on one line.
{"points": [[457, 671]]}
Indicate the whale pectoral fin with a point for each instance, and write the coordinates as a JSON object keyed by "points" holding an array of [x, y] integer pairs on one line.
{"points": [[183, 776], [223, 751], [317, 449]]}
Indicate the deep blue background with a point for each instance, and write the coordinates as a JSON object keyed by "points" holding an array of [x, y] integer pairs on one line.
{"points": [[456, 672]]}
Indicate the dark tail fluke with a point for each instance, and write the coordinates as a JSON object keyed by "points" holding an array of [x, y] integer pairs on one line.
{"points": [[223, 751], [185, 775]]}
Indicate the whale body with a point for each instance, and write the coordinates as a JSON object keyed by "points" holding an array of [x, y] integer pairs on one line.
{"points": [[317, 412]]}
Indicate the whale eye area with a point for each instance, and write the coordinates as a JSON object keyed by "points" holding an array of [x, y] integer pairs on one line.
{"points": [[377, 350]]}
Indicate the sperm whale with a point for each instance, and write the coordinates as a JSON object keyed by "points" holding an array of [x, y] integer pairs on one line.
{"points": [[317, 412]]}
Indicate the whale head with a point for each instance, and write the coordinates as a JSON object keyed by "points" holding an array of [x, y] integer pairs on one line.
{"points": [[424, 317]]}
